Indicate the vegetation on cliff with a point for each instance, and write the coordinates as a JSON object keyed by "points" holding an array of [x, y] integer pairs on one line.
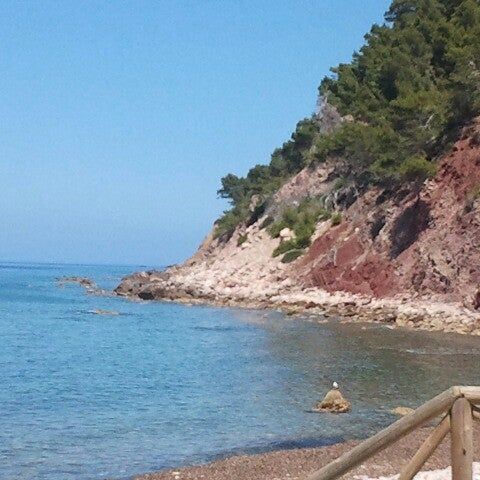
{"points": [[402, 97], [301, 220]]}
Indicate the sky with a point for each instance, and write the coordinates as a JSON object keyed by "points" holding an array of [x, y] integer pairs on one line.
{"points": [[118, 118]]}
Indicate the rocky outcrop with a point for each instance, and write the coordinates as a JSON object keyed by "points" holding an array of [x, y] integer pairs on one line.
{"points": [[423, 242], [88, 284], [83, 281], [408, 257]]}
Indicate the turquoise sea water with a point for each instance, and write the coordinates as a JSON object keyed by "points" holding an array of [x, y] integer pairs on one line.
{"points": [[86, 396]]}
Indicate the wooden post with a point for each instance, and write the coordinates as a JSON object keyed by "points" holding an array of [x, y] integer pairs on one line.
{"points": [[426, 450], [386, 437], [462, 439]]}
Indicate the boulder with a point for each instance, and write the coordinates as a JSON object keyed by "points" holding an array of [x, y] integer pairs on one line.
{"points": [[476, 300], [255, 201], [333, 402], [286, 234]]}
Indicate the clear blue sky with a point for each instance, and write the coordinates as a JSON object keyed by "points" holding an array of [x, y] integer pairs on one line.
{"points": [[119, 118]]}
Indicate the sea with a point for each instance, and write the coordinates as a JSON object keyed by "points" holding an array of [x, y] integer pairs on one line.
{"points": [[154, 385]]}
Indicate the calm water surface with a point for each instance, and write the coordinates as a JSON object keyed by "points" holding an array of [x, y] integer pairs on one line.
{"points": [[86, 396]]}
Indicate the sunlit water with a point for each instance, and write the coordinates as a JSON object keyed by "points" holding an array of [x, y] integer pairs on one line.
{"points": [[86, 396]]}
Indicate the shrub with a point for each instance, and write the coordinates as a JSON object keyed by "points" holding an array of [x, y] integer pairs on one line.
{"points": [[475, 140], [336, 218], [339, 183], [292, 255], [302, 220], [258, 211], [268, 221], [472, 197], [227, 223], [284, 247], [417, 168], [275, 228], [242, 239], [303, 242]]}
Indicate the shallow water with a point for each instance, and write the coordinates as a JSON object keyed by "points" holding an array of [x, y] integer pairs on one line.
{"points": [[88, 396]]}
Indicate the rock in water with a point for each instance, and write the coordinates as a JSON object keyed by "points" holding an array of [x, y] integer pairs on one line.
{"points": [[99, 311], [402, 411], [83, 281], [89, 285], [333, 402]]}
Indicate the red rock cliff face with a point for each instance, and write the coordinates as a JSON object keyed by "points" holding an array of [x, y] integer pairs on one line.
{"points": [[424, 242]]}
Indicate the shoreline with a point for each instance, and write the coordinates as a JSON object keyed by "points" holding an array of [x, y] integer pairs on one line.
{"points": [[417, 314], [297, 464], [430, 282]]}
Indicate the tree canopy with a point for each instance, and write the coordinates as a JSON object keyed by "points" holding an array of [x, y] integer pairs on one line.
{"points": [[406, 92]]}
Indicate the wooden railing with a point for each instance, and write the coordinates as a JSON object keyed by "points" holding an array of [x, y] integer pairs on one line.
{"points": [[457, 405]]}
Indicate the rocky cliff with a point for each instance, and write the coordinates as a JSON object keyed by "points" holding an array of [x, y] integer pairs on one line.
{"points": [[422, 242], [409, 256]]}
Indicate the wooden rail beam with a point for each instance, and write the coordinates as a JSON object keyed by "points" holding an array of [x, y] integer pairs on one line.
{"points": [[437, 405], [426, 450], [472, 394]]}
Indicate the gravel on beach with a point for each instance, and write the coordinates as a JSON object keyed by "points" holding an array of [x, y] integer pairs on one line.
{"points": [[299, 463]]}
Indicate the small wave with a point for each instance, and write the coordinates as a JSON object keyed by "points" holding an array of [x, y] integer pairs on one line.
{"points": [[425, 351], [99, 311], [422, 351], [220, 328]]}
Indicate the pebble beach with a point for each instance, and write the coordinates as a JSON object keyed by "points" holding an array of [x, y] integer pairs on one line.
{"points": [[299, 463]]}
